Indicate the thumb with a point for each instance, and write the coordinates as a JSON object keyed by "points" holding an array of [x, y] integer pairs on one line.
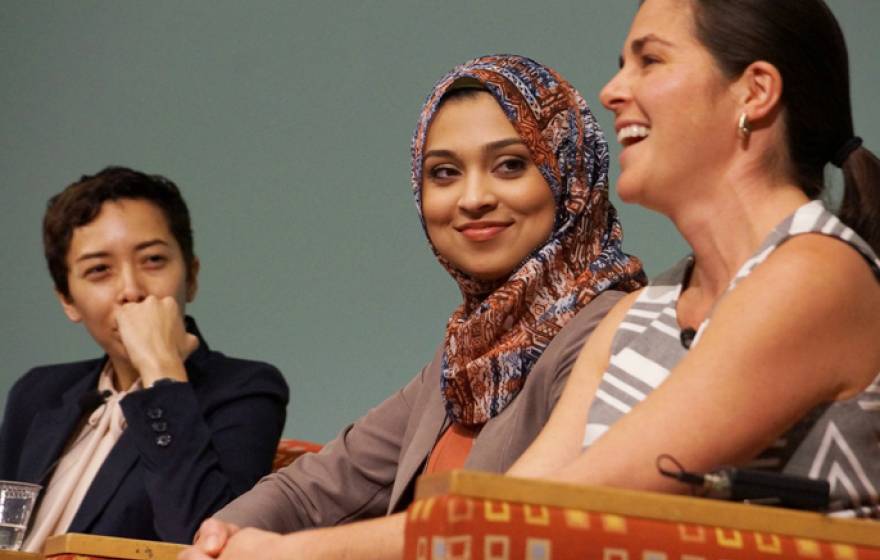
{"points": [[212, 536], [190, 343]]}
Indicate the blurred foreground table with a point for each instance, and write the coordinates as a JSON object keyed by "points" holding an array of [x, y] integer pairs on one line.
{"points": [[16, 555], [87, 547]]}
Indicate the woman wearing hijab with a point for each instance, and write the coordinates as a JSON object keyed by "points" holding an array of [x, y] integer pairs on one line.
{"points": [[509, 173], [760, 348]]}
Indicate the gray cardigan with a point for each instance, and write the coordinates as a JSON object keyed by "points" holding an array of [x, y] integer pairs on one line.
{"points": [[369, 469]]}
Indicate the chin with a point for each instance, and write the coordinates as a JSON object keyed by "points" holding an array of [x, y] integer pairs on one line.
{"points": [[631, 190], [629, 196], [490, 274], [113, 348]]}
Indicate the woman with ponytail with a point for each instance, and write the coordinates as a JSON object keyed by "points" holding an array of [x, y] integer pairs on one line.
{"points": [[761, 348]]}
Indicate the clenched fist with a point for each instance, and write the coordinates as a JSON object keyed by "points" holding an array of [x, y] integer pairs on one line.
{"points": [[155, 338]]}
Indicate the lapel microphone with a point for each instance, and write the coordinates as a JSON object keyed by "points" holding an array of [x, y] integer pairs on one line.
{"points": [[687, 337]]}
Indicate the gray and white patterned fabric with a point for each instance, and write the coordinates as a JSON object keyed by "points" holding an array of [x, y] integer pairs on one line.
{"points": [[838, 441]]}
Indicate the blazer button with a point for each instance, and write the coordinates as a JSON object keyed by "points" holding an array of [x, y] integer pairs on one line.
{"points": [[163, 440], [155, 413], [160, 426]]}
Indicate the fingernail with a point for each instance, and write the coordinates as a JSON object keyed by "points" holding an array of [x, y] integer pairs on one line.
{"points": [[212, 542]]}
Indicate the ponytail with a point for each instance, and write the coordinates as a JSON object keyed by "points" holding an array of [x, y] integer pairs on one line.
{"points": [[860, 208]]}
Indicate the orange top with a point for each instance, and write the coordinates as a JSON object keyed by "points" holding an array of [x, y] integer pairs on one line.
{"points": [[452, 449]]}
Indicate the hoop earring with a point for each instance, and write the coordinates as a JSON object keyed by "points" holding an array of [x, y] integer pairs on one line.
{"points": [[743, 126]]}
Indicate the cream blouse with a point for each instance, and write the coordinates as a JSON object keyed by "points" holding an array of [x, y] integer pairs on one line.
{"points": [[79, 464]]}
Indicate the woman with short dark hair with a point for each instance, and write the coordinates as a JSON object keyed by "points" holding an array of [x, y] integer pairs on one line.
{"points": [[159, 433]]}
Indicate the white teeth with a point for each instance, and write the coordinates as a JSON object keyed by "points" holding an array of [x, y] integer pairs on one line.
{"points": [[633, 131]]}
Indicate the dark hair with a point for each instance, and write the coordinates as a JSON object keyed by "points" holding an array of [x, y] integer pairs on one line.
{"points": [[803, 40], [80, 203], [467, 91]]}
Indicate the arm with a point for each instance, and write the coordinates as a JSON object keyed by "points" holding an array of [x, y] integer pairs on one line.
{"points": [[351, 478], [375, 539], [383, 537], [559, 442], [205, 430], [799, 331], [210, 444]]}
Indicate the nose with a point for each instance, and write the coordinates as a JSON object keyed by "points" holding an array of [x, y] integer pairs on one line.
{"points": [[478, 196], [131, 289], [615, 93]]}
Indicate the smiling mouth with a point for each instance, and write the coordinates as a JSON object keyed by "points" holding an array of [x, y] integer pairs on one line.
{"points": [[482, 232], [632, 134]]}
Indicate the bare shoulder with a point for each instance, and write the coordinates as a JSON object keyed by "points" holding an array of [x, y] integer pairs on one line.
{"points": [[824, 296], [828, 265]]}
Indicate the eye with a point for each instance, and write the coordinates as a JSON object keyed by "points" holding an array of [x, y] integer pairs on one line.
{"points": [[96, 271], [648, 60], [512, 166], [155, 260], [443, 173]]}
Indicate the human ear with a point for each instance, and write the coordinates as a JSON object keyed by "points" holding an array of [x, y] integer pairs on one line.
{"points": [[69, 307], [192, 280], [760, 90]]}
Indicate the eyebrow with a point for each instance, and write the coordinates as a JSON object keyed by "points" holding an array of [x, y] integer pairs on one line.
{"points": [[104, 254], [490, 147], [638, 45]]}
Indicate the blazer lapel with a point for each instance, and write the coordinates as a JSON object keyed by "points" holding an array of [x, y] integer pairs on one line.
{"points": [[119, 462], [431, 423], [51, 429]]}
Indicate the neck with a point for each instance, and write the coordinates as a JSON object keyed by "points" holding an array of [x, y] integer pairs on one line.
{"points": [[726, 226], [124, 374]]}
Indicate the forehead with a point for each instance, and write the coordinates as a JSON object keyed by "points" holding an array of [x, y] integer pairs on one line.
{"points": [[120, 222], [671, 20], [473, 118]]}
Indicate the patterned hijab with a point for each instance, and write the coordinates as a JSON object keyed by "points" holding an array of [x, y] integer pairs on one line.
{"points": [[501, 329]]}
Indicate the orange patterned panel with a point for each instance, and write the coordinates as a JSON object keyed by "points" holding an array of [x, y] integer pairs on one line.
{"points": [[459, 528]]}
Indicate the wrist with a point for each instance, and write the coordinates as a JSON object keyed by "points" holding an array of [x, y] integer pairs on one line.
{"points": [[171, 371], [301, 542]]}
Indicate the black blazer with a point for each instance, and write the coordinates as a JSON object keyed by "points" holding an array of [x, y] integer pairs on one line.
{"points": [[187, 450]]}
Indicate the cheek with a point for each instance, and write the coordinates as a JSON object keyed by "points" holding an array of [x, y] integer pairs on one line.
{"points": [[545, 220], [661, 98], [93, 302], [533, 198], [176, 286], [182, 291], [437, 206]]}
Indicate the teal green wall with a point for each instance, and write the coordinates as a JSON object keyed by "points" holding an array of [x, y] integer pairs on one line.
{"points": [[287, 126]]}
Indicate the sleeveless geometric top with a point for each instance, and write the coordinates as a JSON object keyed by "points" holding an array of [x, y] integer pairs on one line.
{"points": [[838, 441]]}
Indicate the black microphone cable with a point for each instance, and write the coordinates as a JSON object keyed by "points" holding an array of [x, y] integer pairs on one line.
{"points": [[754, 486]]}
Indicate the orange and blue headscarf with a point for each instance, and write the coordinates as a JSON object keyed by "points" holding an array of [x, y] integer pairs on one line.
{"points": [[501, 329]]}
